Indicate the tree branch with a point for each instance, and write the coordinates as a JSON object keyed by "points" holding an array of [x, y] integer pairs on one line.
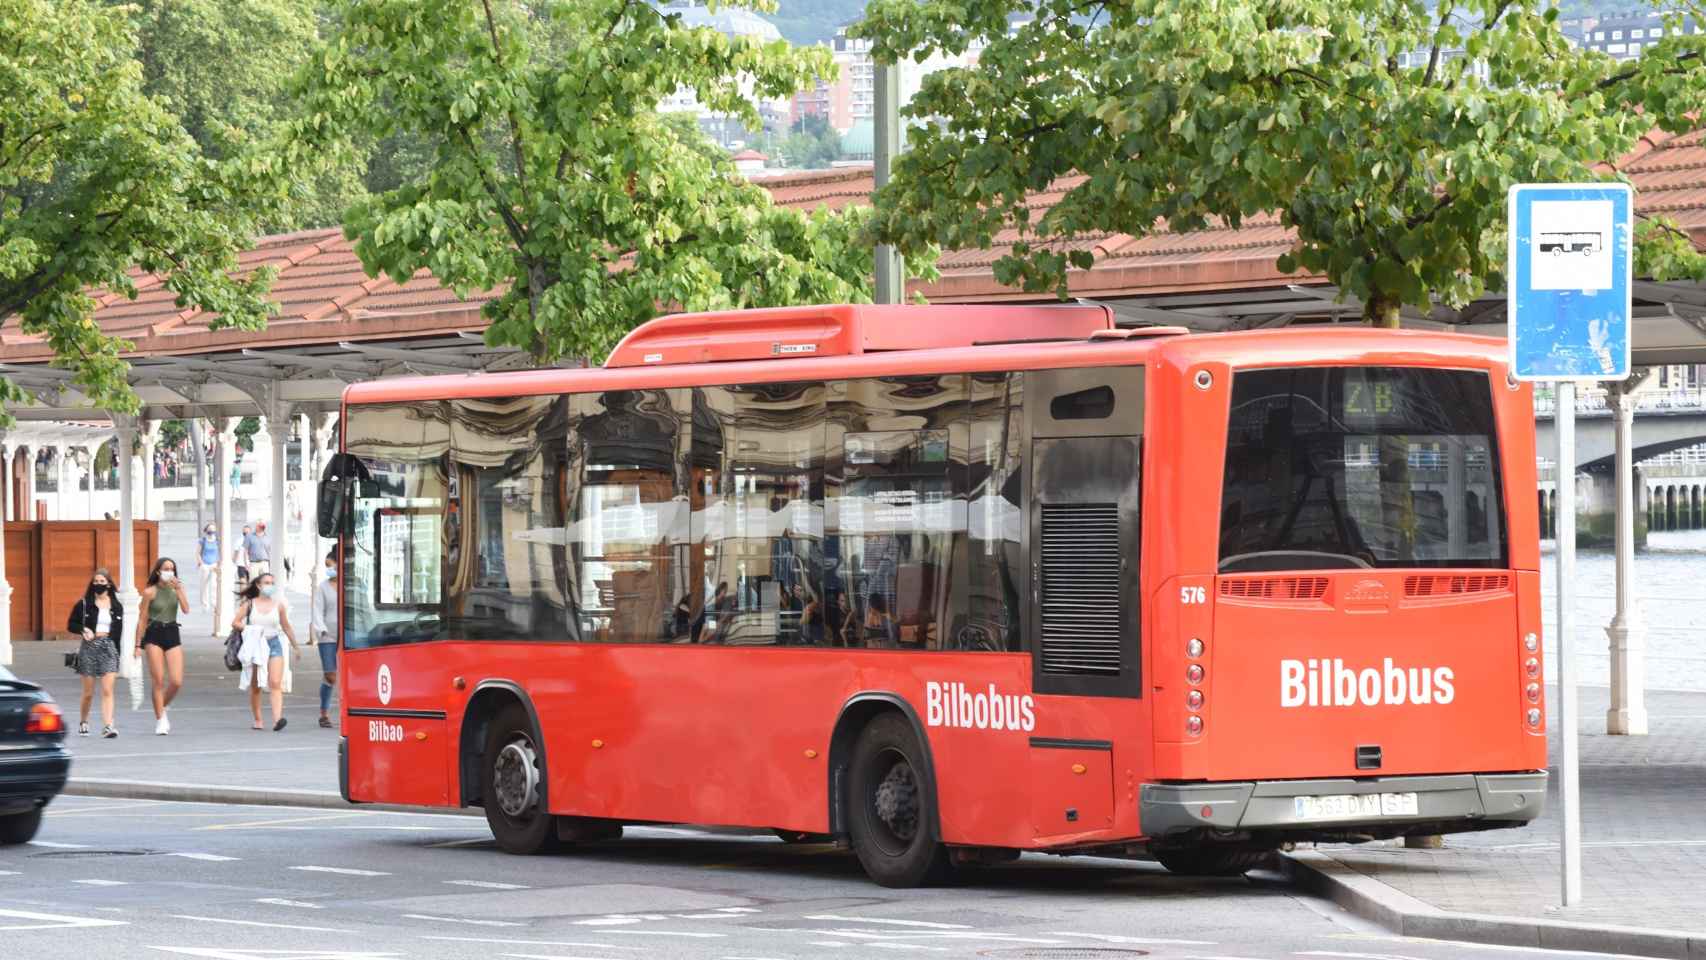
{"points": [[517, 232], [514, 127], [1433, 54], [1634, 72]]}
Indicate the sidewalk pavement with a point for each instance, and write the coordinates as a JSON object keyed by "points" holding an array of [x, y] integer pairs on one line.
{"points": [[1643, 808]]}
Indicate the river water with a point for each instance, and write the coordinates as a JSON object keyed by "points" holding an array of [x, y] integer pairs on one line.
{"points": [[1670, 591]]}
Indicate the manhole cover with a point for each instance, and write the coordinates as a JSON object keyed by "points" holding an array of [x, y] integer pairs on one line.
{"points": [[84, 854], [1063, 953]]}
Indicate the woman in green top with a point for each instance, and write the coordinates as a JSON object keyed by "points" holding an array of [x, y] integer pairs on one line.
{"points": [[162, 599]]}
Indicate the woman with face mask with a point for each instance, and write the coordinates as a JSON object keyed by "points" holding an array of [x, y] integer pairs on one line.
{"points": [[265, 621], [162, 600], [207, 550], [98, 618]]}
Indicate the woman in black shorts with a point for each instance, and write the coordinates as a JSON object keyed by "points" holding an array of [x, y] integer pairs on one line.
{"points": [[162, 600], [98, 619]]}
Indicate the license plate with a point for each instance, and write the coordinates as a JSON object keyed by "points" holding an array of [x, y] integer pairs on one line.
{"points": [[1355, 806]]}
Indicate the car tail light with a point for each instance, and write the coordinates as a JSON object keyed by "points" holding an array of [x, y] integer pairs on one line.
{"points": [[45, 718]]}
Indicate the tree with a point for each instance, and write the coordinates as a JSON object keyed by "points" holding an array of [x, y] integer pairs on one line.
{"points": [[223, 68], [1383, 132], [96, 178], [554, 180]]}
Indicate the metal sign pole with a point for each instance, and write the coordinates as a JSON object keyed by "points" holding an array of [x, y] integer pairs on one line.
{"points": [[1569, 791]]}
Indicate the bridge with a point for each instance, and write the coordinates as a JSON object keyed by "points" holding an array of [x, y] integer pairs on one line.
{"points": [[1665, 420]]}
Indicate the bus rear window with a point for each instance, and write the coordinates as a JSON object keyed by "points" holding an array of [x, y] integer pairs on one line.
{"points": [[1331, 467]]}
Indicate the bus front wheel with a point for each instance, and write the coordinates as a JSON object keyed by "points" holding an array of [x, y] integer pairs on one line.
{"points": [[512, 784], [1212, 861], [892, 807]]}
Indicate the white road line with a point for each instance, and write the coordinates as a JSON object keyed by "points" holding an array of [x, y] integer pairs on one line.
{"points": [[59, 846], [898, 923], [87, 758], [346, 871], [669, 933], [257, 923], [9, 873], [1354, 956], [550, 956], [1111, 938], [102, 883], [827, 943], [52, 921], [209, 857], [528, 943], [477, 923], [488, 885], [281, 902], [906, 946]]}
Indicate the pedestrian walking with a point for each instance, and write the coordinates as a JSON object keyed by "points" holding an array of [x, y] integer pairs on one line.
{"points": [[99, 619], [240, 551], [162, 600], [264, 619], [256, 546], [207, 547], [323, 624]]}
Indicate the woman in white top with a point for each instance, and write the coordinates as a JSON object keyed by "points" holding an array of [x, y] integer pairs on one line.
{"points": [[263, 618]]}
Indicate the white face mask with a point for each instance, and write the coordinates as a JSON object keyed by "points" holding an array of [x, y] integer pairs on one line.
{"points": [[167, 576], [268, 590], [331, 573]]}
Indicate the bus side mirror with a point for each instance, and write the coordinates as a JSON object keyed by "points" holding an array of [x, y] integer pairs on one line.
{"points": [[337, 493]]}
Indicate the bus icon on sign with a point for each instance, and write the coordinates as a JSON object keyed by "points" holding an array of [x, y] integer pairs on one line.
{"points": [[1558, 244]]}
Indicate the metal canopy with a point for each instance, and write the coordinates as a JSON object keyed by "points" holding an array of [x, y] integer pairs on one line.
{"points": [[307, 378], [1669, 327]]}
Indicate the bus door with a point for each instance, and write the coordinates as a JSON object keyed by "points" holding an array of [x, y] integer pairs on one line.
{"points": [[1083, 624]]}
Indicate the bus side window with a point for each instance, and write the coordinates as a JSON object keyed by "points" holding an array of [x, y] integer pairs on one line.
{"points": [[626, 536], [995, 488], [393, 556], [504, 559], [757, 515]]}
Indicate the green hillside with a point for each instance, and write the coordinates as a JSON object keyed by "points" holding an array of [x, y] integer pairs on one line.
{"points": [[814, 21]]}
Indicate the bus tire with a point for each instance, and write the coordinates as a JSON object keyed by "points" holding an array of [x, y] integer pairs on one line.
{"points": [[892, 806], [512, 783], [1212, 861]]}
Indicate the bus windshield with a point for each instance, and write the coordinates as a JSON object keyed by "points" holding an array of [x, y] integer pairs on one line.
{"points": [[1331, 467]]}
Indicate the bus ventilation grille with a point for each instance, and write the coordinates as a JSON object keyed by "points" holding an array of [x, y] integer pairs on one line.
{"points": [[1081, 623], [1274, 588], [1447, 584]]}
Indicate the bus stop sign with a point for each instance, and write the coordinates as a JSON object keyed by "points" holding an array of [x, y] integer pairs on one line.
{"points": [[1568, 280]]}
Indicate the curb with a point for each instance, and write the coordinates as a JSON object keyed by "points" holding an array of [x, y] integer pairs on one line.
{"points": [[1404, 915], [242, 796]]}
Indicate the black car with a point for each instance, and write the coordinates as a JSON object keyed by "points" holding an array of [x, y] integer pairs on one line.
{"points": [[33, 760]]}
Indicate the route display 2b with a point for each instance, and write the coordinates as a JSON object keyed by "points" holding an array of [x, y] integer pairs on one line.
{"points": [[949, 583]]}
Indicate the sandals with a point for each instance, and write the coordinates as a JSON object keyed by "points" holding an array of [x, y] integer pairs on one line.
{"points": [[279, 725], [326, 722]]}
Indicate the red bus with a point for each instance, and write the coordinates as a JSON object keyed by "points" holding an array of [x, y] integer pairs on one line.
{"points": [[947, 583]]}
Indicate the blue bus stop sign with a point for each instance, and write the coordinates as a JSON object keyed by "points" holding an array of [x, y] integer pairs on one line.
{"points": [[1571, 261]]}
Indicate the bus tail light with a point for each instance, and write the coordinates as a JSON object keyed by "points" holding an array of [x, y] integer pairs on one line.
{"points": [[1532, 691], [1194, 699], [1534, 716], [1194, 673], [45, 718], [1193, 725]]}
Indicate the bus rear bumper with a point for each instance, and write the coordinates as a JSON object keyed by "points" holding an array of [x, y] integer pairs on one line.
{"points": [[1470, 801]]}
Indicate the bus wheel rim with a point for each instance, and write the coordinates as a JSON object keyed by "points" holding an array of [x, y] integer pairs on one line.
{"points": [[515, 778], [895, 803]]}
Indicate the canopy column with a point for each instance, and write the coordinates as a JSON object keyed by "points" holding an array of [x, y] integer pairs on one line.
{"points": [[27, 509], [150, 444], [224, 455], [67, 482], [92, 449], [124, 430], [277, 425], [5, 596], [1627, 715], [307, 543]]}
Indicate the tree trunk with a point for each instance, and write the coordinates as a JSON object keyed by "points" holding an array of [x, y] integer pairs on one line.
{"points": [[1382, 312]]}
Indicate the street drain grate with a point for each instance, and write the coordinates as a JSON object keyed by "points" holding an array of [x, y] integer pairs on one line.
{"points": [[86, 854], [1062, 953]]}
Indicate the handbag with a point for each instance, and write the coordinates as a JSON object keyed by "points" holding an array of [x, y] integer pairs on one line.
{"points": [[74, 660], [233, 651]]}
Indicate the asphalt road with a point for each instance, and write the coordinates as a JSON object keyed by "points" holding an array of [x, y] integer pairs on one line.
{"points": [[136, 879]]}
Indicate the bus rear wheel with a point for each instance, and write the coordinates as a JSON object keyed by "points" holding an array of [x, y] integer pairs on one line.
{"points": [[1212, 861], [892, 807], [512, 784]]}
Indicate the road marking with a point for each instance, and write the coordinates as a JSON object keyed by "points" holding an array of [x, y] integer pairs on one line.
{"points": [[9, 873], [102, 883], [281, 902], [209, 857], [52, 921], [827, 943], [59, 846], [346, 871], [86, 758], [906, 946], [887, 935], [550, 956], [232, 953], [898, 923], [276, 823], [528, 943], [670, 933], [477, 923], [1354, 956], [257, 923], [488, 885], [1111, 938]]}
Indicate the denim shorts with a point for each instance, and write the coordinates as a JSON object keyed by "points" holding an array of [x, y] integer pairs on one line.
{"points": [[275, 647]]}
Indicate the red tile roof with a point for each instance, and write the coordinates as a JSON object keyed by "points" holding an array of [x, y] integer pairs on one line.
{"points": [[325, 296]]}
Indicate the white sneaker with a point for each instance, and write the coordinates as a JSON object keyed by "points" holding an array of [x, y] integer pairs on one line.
{"points": [[162, 727]]}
